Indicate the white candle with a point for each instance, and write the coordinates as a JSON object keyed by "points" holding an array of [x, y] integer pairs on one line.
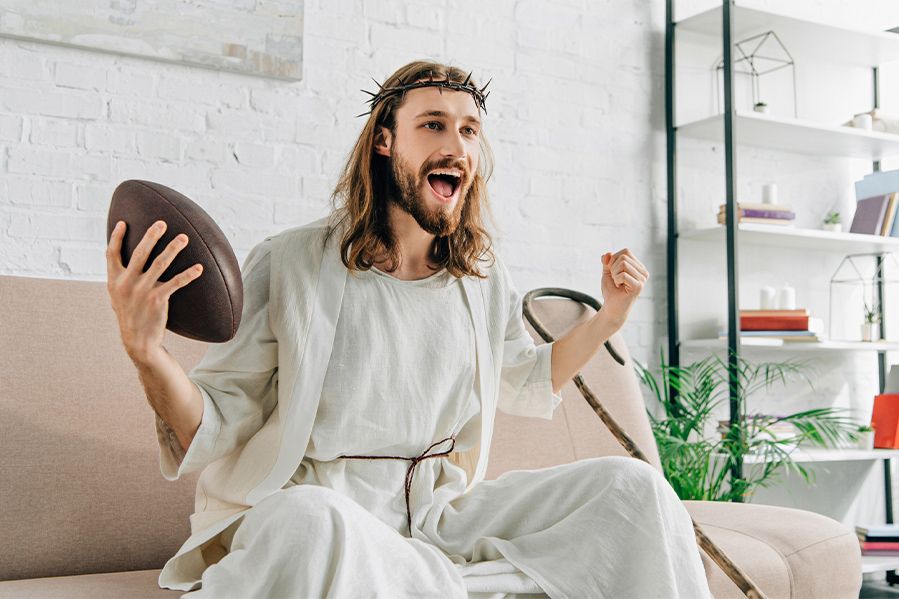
{"points": [[786, 298], [769, 193], [863, 121], [766, 298]]}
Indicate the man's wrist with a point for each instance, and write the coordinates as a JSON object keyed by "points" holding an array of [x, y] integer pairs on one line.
{"points": [[607, 322], [149, 359]]}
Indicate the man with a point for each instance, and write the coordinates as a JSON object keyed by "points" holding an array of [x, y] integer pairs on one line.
{"points": [[344, 432]]}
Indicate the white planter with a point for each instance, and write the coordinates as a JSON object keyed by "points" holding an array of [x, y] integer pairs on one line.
{"points": [[866, 440], [832, 227], [870, 331]]}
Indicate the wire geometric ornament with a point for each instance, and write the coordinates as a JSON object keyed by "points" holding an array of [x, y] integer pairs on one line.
{"points": [[855, 270], [385, 92], [758, 56]]}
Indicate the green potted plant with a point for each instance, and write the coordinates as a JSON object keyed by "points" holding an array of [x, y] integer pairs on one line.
{"points": [[833, 222], [698, 464], [865, 437], [870, 330]]}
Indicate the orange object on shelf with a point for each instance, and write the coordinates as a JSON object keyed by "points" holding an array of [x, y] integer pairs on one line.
{"points": [[885, 421]]}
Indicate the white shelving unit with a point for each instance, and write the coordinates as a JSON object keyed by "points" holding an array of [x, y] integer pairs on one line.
{"points": [[879, 563], [799, 346], [804, 455], [806, 239], [794, 135], [796, 239], [808, 456], [843, 46], [822, 43]]}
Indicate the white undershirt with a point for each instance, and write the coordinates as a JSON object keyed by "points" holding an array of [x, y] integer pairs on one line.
{"points": [[400, 378]]}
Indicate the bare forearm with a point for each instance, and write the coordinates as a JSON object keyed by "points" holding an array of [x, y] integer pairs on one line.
{"points": [[572, 351], [172, 395]]}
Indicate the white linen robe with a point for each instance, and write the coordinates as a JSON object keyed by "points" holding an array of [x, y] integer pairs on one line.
{"points": [[593, 528], [261, 389]]}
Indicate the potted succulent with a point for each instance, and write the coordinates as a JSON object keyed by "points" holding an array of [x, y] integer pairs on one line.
{"points": [[697, 464], [865, 437], [760, 107], [833, 222], [870, 328]]}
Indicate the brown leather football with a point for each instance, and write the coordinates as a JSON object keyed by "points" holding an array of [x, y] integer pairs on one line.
{"points": [[209, 307]]}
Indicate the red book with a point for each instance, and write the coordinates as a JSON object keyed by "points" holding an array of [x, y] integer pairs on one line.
{"points": [[796, 312], [885, 420], [879, 546], [774, 323]]}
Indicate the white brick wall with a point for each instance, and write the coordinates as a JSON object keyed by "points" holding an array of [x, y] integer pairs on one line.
{"points": [[575, 119]]}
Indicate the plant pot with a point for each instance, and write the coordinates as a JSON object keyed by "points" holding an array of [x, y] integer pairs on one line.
{"points": [[870, 331], [832, 227], [762, 108], [866, 440]]}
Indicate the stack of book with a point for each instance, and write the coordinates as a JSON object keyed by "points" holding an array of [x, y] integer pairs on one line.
{"points": [[882, 539], [876, 216], [786, 325], [878, 202], [760, 214]]}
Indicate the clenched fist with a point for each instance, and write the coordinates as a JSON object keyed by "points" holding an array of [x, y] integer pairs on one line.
{"points": [[623, 277]]}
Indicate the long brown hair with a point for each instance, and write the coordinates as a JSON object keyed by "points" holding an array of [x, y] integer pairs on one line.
{"points": [[361, 196]]}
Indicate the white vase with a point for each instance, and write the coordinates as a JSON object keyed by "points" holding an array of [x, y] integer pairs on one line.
{"points": [[832, 227], [870, 331]]}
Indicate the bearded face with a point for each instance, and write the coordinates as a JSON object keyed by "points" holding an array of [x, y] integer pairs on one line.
{"points": [[433, 152], [434, 194]]}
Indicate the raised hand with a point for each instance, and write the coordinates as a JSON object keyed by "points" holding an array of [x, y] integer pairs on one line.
{"points": [[623, 278], [139, 300]]}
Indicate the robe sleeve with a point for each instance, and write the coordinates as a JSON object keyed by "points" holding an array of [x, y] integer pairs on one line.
{"points": [[238, 380], [526, 377]]}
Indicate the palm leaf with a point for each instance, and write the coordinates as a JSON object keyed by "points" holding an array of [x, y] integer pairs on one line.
{"points": [[698, 467]]}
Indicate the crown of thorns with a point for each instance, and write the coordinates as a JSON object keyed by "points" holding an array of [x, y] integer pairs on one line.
{"points": [[466, 86]]}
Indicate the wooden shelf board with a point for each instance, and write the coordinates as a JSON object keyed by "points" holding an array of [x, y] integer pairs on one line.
{"points": [[797, 135], [803, 37], [791, 237]]}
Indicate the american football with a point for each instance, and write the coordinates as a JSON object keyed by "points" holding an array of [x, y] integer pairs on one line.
{"points": [[209, 307]]}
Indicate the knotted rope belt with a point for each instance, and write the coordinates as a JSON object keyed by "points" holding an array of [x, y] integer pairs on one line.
{"points": [[415, 460]]}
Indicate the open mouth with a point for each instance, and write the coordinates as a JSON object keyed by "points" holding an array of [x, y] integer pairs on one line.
{"points": [[445, 183]]}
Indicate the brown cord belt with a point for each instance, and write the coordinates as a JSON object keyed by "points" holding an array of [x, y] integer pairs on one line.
{"points": [[422, 456]]}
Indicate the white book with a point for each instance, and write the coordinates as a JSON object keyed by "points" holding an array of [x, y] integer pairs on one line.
{"points": [[879, 530]]}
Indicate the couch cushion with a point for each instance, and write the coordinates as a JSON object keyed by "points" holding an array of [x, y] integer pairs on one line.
{"points": [[786, 552], [80, 466], [139, 584]]}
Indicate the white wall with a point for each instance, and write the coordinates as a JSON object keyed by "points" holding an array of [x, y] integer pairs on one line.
{"points": [[575, 119]]}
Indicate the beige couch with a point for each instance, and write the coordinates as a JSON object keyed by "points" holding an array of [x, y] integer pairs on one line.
{"points": [[86, 512]]}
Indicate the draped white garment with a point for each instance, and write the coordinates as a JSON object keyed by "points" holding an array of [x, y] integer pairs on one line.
{"points": [[401, 377]]}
